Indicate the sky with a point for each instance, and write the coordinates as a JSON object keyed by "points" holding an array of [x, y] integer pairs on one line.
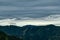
{"points": [[29, 12]]}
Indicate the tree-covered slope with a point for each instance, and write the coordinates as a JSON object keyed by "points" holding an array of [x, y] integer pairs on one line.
{"points": [[30, 32]]}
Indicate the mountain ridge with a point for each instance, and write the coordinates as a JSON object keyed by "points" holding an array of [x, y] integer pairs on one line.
{"points": [[32, 32]]}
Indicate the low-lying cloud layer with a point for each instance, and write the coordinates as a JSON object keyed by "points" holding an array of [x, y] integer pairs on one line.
{"points": [[52, 19]]}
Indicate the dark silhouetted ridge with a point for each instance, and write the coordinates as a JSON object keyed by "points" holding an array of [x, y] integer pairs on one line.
{"points": [[30, 32]]}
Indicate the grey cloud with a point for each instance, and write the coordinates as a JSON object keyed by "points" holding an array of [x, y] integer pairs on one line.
{"points": [[29, 8], [26, 14], [12, 8], [30, 2]]}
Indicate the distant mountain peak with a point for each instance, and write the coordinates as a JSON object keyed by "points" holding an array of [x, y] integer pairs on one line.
{"points": [[51, 25]]}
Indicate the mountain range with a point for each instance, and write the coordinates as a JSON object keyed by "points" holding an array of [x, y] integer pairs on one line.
{"points": [[31, 32]]}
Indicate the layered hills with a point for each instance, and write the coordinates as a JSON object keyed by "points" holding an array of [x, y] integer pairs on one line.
{"points": [[30, 32]]}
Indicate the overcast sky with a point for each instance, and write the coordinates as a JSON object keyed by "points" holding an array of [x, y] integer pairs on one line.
{"points": [[49, 10]]}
